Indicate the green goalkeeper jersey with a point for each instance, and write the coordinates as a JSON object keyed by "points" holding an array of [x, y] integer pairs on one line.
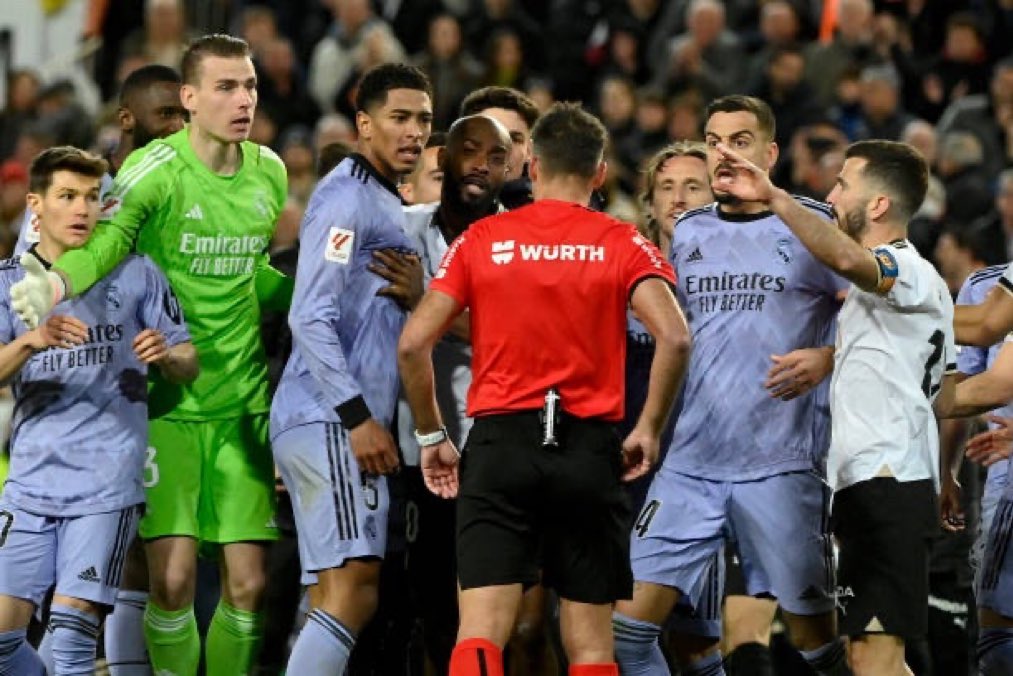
{"points": [[209, 234]]}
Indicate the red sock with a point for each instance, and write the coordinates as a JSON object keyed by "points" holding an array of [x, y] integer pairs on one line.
{"points": [[608, 669], [479, 657]]}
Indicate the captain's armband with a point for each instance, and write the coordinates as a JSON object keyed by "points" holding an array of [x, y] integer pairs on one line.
{"points": [[886, 263]]}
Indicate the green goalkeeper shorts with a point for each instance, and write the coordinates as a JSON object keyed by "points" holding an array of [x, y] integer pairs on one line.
{"points": [[212, 480]]}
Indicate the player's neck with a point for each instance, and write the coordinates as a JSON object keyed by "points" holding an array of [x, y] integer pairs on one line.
{"points": [[221, 157], [879, 234], [119, 155], [382, 168], [664, 243], [744, 208], [563, 188], [49, 250]]}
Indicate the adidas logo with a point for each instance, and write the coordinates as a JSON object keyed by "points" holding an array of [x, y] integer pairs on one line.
{"points": [[694, 256], [89, 574], [195, 213]]}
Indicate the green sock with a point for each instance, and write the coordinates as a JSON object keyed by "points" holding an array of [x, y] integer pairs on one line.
{"points": [[233, 639], [173, 642]]}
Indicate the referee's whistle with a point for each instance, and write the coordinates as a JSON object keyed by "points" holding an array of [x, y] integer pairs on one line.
{"points": [[550, 417]]}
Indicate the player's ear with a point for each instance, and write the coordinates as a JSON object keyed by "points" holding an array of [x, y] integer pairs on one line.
{"points": [[534, 168], [188, 97], [878, 206], [773, 152], [599, 175], [126, 119], [34, 201], [364, 124]]}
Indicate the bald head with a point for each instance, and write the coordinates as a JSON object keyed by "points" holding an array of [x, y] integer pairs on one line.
{"points": [[474, 162]]}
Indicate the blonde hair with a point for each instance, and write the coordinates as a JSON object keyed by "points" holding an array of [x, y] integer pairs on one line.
{"points": [[649, 227]]}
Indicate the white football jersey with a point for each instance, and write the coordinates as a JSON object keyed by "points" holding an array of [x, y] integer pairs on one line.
{"points": [[892, 352], [1006, 281]]}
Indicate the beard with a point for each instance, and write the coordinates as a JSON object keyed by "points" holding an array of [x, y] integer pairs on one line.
{"points": [[476, 206], [726, 199], [141, 137], [854, 223]]}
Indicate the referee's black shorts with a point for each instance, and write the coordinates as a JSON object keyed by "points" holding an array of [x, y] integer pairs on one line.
{"points": [[884, 529], [523, 508]]}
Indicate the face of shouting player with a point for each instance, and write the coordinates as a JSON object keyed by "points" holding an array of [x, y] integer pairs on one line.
{"points": [[851, 199], [393, 135], [224, 100], [740, 131], [475, 163]]}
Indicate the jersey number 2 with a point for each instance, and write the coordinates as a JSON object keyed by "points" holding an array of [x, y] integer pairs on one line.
{"points": [[936, 341]]}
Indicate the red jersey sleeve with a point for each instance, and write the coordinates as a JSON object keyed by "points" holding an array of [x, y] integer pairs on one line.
{"points": [[453, 277], [644, 260]]}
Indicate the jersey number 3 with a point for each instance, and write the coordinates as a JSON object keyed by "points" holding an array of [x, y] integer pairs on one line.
{"points": [[936, 341]]}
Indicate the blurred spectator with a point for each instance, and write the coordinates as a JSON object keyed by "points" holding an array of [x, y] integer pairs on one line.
{"points": [[22, 97], [296, 149], [13, 192], [577, 28], [962, 250], [624, 51], [33, 140], [331, 155], [617, 106], [258, 26], [490, 17], [814, 160], [282, 91], [264, 129], [685, 117], [163, 37], [968, 193], [789, 95], [650, 134], [333, 128], [852, 46], [423, 185], [990, 119], [882, 115], [923, 137], [846, 111], [340, 56], [62, 117], [960, 70], [780, 26], [452, 71], [707, 57], [505, 64], [541, 93], [405, 17], [1001, 215]]}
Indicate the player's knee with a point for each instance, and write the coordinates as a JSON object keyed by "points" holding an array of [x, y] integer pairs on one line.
{"points": [[809, 632], [876, 657], [173, 588], [245, 590]]}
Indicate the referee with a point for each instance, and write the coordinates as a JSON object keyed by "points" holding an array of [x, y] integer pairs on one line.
{"points": [[547, 286]]}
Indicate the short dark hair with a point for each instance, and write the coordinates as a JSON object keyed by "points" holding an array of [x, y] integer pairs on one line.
{"points": [[437, 139], [500, 97], [63, 158], [331, 156], [144, 77], [568, 140], [898, 168], [982, 239], [379, 80], [216, 44], [748, 104]]}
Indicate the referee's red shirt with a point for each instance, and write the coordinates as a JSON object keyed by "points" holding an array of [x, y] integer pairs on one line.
{"points": [[548, 285]]}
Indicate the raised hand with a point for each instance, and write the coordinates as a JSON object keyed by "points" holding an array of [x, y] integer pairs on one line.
{"points": [[737, 176], [34, 296]]}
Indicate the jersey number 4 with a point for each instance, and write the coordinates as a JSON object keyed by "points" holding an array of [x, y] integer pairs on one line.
{"points": [[936, 341]]}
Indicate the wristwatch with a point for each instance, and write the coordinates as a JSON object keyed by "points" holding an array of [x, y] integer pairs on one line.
{"points": [[432, 438]]}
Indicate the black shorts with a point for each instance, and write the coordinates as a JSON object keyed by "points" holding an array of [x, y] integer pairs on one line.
{"points": [[522, 508], [884, 529]]}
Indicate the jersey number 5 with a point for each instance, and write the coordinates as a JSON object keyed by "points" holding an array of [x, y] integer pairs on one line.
{"points": [[936, 341]]}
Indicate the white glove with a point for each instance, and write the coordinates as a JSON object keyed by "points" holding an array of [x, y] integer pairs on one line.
{"points": [[35, 295]]}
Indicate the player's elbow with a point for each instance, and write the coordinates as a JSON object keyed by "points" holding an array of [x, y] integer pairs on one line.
{"points": [[674, 340], [411, 345]]}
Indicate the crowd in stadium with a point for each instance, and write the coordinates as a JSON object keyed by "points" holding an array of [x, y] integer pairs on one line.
{"points": [[814, 187]]}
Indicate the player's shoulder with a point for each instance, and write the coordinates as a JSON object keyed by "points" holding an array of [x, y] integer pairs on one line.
{"points": [[418, 218], [821, 208], [265, 159], [986, 276], [698, 214], [153, 165], [10, 272]]}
